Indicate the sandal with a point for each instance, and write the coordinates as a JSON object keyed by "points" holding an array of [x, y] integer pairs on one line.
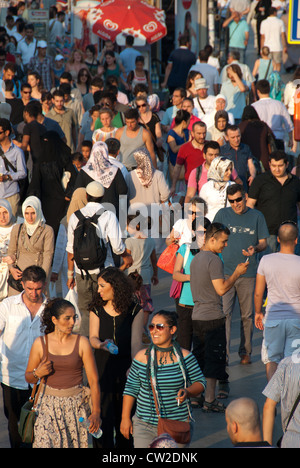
{"points": [[224, 389], [197, 402], [213, 407]]}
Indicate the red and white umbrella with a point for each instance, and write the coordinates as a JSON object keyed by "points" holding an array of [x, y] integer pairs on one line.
{"points": [[116, 19]]}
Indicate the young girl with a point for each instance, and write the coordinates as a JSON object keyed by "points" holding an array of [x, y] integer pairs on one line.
{"points": [[142, 250]]}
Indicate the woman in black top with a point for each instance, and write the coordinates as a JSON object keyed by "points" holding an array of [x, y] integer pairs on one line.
{"points": [[115, 317]]}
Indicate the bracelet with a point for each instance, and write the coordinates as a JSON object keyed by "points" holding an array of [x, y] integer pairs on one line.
{"points": [[70, 274], [34, 374]]}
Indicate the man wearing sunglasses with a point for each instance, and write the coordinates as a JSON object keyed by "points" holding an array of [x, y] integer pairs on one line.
{"points": [[248, 236]]}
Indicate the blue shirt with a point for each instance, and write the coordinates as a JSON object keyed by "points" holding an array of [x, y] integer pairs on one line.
{"points": [[239, 158], [245, 230], [16, 157], [237, 33]]}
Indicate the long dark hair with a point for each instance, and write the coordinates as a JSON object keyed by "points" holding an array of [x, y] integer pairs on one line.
{"points": [[122, 290]]}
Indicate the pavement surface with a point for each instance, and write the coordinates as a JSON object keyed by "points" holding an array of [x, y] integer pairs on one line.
{"points": [[245, 380]]}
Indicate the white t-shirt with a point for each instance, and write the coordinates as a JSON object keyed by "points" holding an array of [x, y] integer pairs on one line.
{"points": [[272, 28]]}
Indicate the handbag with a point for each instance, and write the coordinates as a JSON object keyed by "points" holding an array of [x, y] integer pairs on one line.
{"points": [[166, 260], [28, 413], [11, 281], [288, 422], [180, 431], [176, 286], [15, 283]]}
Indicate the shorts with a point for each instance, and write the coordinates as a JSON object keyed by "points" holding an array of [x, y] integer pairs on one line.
{"points": [[281, 339], [276, 56], [209, 347]]}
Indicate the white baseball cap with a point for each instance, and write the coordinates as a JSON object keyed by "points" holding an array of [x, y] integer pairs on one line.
{"points": [[42, 44]]}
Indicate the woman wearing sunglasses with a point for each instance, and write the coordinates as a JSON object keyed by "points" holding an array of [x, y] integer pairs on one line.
{"points": [[165, 370], [115, 317]]}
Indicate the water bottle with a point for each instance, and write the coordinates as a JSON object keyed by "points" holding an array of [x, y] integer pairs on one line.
{"points": [[112, 348], [86, 424]]}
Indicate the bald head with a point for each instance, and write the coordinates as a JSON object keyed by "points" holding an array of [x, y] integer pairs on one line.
{"points": [[243, 420], [288, 233]]}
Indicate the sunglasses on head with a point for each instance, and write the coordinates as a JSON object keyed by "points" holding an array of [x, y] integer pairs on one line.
{"points": [[239, 199], [158, 326], [289, 222]]}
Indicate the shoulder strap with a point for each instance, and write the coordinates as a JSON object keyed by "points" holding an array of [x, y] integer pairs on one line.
{"points": [[293, 411], [268, 69], [33, 397]]}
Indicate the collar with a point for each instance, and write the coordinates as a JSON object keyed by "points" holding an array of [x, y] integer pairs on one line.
{"points": [[18, 299]]}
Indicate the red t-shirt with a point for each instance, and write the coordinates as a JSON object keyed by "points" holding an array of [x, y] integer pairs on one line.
{"points": [[190, 157]]}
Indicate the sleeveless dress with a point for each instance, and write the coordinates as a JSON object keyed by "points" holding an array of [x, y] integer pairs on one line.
{"points": [[61, 406], [112, 372]]}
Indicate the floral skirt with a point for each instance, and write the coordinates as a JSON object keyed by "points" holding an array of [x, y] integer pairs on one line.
{"points": [[57, 424]]}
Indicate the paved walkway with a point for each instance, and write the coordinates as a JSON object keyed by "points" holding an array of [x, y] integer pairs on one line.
{"points": [[249, 381]]}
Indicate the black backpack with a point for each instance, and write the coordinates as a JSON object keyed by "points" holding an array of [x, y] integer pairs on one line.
{"points": [[89, 249]]}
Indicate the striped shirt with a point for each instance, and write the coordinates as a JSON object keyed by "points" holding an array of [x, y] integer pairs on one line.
{"points": [[285, 387], [169, 381]]}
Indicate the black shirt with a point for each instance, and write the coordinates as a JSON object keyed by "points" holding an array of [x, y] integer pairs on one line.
{"points": [[277, 202]]}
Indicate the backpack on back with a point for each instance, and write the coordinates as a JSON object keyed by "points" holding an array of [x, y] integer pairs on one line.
{"points": [[89, 249]]}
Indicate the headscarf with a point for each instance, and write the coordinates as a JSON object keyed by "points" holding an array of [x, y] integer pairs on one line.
{"points": [[220, 96], [77, 202], [5, 204], [217, 171], [145, 169], [34, 203], [154, 102], [99, 166]]}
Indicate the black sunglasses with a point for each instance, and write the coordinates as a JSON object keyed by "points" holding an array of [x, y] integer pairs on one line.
{"points": [[239, 199]]}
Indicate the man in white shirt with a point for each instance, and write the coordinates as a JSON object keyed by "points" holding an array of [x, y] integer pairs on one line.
{"points": [[273, 35], [203, 102], [108, 230], [28, 45], [19, 327], [208, 72], [275, 114]]}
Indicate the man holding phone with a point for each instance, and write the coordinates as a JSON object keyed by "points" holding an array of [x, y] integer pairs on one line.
{"points": [[248, 236]]}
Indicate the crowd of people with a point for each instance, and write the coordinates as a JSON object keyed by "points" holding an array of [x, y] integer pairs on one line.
{"points": [[95, 162]]}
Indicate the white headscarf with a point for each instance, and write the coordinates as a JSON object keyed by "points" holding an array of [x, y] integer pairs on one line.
{"points": [[217, 171], [34, 203], [99, 166]]}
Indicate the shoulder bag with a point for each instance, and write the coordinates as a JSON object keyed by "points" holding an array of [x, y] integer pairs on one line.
{"points": [[290, 417], [176, 286], [29, 410], [180, 431], [11, 281]]}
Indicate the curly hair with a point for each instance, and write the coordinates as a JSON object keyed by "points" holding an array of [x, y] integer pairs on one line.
{"points": [[122, 289], [54, 308]]}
